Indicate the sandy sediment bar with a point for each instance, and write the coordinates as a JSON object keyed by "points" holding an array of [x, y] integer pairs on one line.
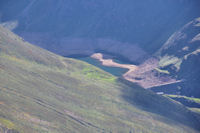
{"points": [[111, 63]]}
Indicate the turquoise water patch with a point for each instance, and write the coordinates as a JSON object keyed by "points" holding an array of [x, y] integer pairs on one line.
{"points": [[113, 70]]}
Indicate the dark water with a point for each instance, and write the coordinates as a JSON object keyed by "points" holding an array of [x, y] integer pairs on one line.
{"points": [[113, 70]]}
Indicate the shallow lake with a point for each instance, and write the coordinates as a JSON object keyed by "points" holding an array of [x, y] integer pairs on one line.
{"points": [[113, 70]]}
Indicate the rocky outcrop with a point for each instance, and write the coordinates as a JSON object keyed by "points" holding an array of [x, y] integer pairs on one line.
{"points": [[180, 55]]}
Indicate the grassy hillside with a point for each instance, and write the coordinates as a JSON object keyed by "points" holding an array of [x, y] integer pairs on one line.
{"points": [[43, 92]]}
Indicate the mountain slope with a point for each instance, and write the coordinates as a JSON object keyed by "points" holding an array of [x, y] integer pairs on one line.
{"points": [[174, 69], [180, 56], [112, 26], [43, 92]]}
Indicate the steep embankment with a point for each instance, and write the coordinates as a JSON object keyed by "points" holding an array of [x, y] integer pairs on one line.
{"points": [[43, 92]]}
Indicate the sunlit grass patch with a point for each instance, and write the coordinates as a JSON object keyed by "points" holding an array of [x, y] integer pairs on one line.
{"points": [[197, 100], [170, 60], [162, 71], [94, 73], [8, 124]]}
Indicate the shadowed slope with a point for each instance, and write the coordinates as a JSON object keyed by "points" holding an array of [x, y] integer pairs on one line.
{"points": [[113, 26], [180, 56]]}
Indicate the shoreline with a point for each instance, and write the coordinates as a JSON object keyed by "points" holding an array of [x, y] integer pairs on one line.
{"points": [[111, 63]]}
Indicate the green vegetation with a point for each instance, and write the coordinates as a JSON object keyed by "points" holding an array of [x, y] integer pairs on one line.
{"points": [[113, 70], [97, 74], [192, 53], [197, 100], [43, 92], [197, 110], [162, 71], [7, 123], [170, 60]]}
